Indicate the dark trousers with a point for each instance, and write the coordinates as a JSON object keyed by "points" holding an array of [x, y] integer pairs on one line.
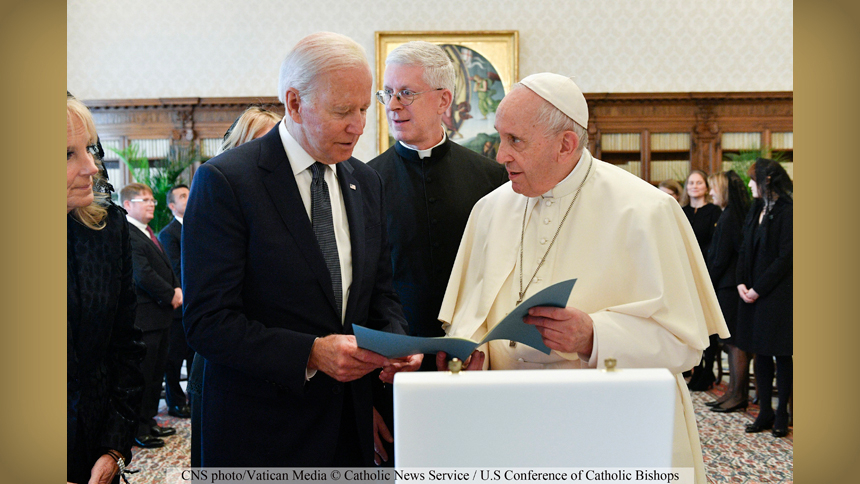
{"points": [[153, 364], [178, 352], [195, 394], [348, 451]]}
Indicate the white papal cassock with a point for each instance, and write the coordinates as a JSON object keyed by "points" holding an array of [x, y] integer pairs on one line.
{"points": [[641, 278]]}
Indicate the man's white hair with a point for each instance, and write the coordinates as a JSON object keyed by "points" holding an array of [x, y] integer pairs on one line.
{"points": [[438, 69], [315, 55]]}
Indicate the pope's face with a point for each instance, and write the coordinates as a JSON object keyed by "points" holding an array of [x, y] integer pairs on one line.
{"points": [[529, 155], [331, 122], [420, 123], [80, 165]]}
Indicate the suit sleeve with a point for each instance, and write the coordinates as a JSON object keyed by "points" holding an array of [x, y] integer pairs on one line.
{"points": [[214, 247], [171, 243], [125, 352], [146, 278]]}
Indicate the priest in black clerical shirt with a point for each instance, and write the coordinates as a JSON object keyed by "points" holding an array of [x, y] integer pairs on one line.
{"points": [[431, 183]]}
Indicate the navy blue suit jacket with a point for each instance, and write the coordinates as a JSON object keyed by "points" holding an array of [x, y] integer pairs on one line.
{"points": [[257, 294]]}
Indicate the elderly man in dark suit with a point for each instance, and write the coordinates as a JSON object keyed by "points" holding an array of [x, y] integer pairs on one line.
{"points": [[158, 294], [178, 350], [285, 248]]}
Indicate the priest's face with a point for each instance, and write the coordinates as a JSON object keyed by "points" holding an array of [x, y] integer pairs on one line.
{"points": [[420, 123], [528, 153]]}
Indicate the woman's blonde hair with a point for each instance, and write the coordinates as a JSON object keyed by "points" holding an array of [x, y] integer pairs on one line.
{"points": [[247, 126], [720, 183], [93, 215]]}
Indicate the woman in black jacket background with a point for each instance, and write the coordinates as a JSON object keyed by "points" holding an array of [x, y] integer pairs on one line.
{"points": [[765, 282], [103, 348], [703, 215], [730, 194]]}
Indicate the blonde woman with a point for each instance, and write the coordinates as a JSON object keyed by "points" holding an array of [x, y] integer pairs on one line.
{"points": [[251, 124], [103, 346], [730, 194]]}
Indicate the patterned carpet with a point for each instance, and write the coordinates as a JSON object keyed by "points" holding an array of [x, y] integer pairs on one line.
{"points": [[731, 455]]}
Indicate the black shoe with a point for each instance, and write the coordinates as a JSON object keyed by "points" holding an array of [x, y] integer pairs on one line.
{"points": [[761, 423], [733, 408], [148, 441], [780, 425], [705, 381], [183, 411], [715, 403], [158, 431]]}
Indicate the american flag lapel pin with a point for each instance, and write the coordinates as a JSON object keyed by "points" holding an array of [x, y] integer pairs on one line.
{"points": [[352, 186]]}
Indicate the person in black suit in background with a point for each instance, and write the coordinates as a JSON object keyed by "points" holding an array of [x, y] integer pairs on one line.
{"points": [[765, 285], [158, 294], [730, 194], [178, 350], [284, 249]]}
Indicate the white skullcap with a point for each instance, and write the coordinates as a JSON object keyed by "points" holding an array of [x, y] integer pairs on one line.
{"points": [[561, 92]]}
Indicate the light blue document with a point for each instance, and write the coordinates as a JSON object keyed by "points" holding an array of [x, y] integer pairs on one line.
{"points": [[511, 328]]}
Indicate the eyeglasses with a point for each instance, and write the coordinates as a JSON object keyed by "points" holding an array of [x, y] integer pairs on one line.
{"points": [[144, 200], [404, 97]]}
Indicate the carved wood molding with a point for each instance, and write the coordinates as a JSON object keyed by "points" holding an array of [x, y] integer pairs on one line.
{"points": [[705, 115]]}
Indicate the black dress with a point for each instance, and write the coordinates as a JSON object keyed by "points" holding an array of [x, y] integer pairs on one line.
{"points": [[766, 327], [103, 347], [703, 220], [722, 259]]}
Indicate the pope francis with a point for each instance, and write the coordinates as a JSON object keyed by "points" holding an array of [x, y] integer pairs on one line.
{"points": [[643, 295]]}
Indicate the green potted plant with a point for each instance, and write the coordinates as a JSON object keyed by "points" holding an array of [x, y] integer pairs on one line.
{"points": [[162, 177]]}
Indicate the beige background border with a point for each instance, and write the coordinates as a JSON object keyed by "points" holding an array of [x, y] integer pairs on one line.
{"points": [[32, 52]]}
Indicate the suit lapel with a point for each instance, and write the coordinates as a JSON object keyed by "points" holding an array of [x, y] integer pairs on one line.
{"points": [[152, 247], [351, 191], [283, 190]]}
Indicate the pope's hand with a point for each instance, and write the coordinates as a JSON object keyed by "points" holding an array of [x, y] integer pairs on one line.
{"points": [[567, 330]]}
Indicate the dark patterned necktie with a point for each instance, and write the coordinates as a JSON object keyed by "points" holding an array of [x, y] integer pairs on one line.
{"points": [[154, 238], [321, 220]]}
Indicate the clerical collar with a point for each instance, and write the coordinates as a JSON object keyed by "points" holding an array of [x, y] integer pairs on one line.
{"points": [[428, 153], [572, 180]]}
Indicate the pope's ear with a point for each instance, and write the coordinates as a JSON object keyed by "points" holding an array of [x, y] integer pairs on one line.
{"points": [[445, 100], [292, 105], [569, 144]]}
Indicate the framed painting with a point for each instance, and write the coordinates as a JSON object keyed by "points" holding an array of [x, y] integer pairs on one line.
{"points": [[486, 63]]}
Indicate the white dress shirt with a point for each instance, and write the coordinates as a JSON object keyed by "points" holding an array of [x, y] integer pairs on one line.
{"points": [[301, 163], [140, 225]]}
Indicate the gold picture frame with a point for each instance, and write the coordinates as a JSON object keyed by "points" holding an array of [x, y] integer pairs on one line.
{"points": [[486, 62]]}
